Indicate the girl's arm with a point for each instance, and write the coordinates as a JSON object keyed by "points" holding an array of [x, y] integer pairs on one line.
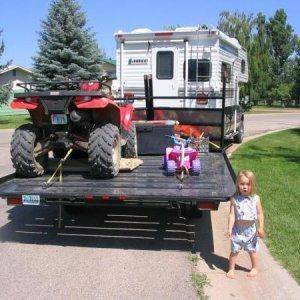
{"points": [[231, 219], [261, 219]]}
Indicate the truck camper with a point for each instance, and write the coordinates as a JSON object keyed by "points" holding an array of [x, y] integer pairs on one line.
{"points": [[185, 62]]}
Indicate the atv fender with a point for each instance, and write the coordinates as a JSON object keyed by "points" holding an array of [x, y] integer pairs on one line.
{"points": [[95, 102], [126, 116], [20, 103]]}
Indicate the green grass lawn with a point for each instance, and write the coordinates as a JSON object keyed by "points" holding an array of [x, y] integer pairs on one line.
{"points": [[275, 159], [13, 121]]}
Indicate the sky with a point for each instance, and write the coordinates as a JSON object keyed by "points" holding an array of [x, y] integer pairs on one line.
{"points": [[20, 20]]}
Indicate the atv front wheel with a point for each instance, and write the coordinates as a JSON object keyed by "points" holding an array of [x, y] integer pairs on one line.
{"points": [[23, 149], [130, 148], [104, 151]]}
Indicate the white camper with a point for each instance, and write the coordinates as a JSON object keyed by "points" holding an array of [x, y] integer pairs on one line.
{"points": [[164, 55], [185, 62]]}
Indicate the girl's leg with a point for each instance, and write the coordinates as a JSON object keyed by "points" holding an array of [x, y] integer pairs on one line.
{"points": [[254, 262], [232, 261]]}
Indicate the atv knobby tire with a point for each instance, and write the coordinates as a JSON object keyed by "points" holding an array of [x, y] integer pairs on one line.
{"points": [[104, 151], [130, 148], [22, 148]]}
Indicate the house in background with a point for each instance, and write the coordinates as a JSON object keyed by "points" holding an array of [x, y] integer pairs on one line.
{"points": [[13, 75]]}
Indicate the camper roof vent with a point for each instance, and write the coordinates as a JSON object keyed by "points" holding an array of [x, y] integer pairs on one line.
{"points": [[141, 30]]}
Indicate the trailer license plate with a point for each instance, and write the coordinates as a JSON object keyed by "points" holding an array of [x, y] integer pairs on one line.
{"points": [[31, 199], [59, 119]]}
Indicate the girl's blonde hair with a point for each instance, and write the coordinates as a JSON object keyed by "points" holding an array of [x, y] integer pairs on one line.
{"points": [[248, 174]]}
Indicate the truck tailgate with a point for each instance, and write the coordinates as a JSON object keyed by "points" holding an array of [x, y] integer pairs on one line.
{"points": [[146, 183]]}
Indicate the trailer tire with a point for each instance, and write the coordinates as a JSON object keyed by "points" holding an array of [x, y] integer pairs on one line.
{"points": [[238, 138], [129, 150], [24, 141], [104, 151]]}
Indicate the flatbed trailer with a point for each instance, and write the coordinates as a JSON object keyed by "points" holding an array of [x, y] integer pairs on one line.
{"points": [[146, 185]]}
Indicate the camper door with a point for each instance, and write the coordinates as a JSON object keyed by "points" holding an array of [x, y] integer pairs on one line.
{"points": [[165, 74]]}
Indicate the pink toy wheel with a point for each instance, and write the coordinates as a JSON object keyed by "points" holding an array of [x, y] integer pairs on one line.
{"points": [[196, 167], [170, 168]]}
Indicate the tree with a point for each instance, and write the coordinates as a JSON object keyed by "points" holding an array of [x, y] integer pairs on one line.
{"points": [[237, 25], [282, 44], [260, 59], [5, 90], [240, 26], [67, 48]]}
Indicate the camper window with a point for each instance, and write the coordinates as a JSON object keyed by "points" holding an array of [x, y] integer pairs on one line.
{"points": [[164, 65], [204, 69], [243, 66], [226, 71]]}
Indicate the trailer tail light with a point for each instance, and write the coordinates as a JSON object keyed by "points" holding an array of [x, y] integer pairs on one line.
{"points": [[202, 98], [89, 198], [14, 201], [105, 197], [122, 198], [128, 95], [207, 205]]}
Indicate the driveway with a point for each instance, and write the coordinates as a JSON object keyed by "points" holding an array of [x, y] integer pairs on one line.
{"points": [[130, 254]]}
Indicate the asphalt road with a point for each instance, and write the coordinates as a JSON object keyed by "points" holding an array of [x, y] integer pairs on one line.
{"points": [[114, 254]]}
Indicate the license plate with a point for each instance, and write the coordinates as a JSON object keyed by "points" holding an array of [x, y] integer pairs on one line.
{"points": [[31, 199], [59, 119]]}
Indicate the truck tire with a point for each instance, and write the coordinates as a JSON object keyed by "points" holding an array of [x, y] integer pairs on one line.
{"points": [[238, 138], [104, 151], [130, 148], [23, 144]]}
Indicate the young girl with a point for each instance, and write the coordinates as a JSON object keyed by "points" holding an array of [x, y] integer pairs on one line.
{"points": [[243, 230]]}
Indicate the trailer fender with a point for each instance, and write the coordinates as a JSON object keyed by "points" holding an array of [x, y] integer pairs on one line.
{"points": [[21, 103]]}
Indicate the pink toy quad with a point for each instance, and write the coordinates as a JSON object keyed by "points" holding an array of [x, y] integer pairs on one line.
{"points": [[181, 158]]}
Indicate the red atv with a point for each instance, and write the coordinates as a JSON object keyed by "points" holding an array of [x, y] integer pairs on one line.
{"points": [[77, 115]]}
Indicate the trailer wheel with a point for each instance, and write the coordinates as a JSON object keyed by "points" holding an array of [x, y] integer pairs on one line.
{"points": [[129, 150], [238, 138], [23, 149], [104, 151]]}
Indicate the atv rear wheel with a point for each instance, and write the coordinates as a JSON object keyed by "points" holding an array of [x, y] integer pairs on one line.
{"points": [[23, 149], [104, 151], [130, 148]]}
